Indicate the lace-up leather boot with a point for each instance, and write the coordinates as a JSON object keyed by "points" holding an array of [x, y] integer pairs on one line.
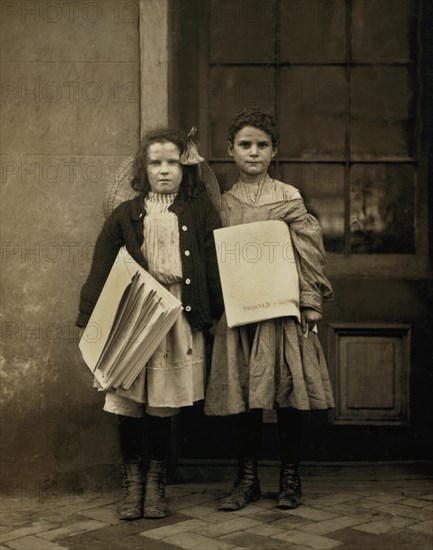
{"points": [[290, 486], [131, 504], [155, 504], [246, 487]]}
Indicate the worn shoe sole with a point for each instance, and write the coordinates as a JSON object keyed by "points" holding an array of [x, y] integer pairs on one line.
{"points": [[154, 515], [230, 504], [287, 503], [130, 515], [152, 510]]}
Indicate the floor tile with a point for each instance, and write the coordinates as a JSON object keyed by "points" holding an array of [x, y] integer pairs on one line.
{"points": [[226, 527], [425, 527], [406, 511], [195, 541], [169, 530], [290, 522], [198, 511], [251, 540], [313, 541], [136, 542], [342, 514], [115, 532], [330, 525], [414, 502], [374, 527], [32, 542], [311, 513], [35, 527], [264, 530], [107, 514], [72, 529]]}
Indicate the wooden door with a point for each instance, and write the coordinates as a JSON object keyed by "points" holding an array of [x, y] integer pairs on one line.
{"points": [[347, 82]]}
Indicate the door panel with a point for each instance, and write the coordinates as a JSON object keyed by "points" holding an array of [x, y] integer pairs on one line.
{"points": [[369, 367]]}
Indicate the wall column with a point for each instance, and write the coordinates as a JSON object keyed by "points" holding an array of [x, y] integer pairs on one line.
{"points": [[153, 64]]}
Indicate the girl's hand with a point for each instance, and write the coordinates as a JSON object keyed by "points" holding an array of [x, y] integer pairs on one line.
{"points": [[309, 318]]}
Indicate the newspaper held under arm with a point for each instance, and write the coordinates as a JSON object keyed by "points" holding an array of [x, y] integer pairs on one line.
{"points": [[258, 272], [131, 318]]}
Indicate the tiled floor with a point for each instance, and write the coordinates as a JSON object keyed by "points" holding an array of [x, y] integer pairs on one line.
{"points": [[349, 514]]}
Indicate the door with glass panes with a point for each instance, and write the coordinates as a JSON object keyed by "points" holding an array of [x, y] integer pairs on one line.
{"points": [[346, 80]]}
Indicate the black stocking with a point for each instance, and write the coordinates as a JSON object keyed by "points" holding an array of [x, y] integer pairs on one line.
{"points": [[249, 431], [290, 424], [131, 437], [159, 429]]}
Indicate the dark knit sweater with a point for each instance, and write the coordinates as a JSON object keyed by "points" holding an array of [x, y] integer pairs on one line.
{"points": [[201, 288]]}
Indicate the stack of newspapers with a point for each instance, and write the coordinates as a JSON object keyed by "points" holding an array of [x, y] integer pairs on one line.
{"points": [[258, 270], [131, 318]]}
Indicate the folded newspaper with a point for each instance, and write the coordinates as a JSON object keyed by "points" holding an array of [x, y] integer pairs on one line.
{"points": [[258, 270], [133, 315]]}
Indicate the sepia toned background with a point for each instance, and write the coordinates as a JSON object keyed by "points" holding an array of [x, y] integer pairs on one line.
{"points": [[349, 84]]}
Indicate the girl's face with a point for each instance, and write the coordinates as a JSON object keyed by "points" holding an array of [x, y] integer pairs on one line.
{"points": [[164, 170], [253, 151]]}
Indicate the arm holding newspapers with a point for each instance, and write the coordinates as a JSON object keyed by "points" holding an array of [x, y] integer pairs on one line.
{"points": [[307, 237]]}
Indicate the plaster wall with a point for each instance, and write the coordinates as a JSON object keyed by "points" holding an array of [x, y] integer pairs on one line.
{"points": [[70, 113]]}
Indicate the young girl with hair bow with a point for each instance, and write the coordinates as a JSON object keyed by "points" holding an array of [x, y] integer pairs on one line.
{"points": [[167, 228]]}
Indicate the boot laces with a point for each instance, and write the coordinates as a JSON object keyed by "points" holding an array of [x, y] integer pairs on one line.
{"points": [[129, 486], [290, 479], [156, 486]]}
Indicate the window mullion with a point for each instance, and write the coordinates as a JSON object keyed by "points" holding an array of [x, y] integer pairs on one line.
{"points": [[277, 75], [347, 136]]}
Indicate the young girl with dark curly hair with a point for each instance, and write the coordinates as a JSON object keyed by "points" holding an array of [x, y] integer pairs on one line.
{"points": [[275, 364], [167, 228]]}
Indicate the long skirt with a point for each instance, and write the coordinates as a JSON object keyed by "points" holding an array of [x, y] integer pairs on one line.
{"points": [[282, 368]]}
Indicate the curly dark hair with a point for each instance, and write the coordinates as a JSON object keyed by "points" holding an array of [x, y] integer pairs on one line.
{"points": [[252, 116], [190, 184]]}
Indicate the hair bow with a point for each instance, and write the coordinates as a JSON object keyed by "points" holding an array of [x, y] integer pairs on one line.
{"points": [[191, 155]]}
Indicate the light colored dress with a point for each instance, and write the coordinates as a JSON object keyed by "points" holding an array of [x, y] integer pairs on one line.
{"points": [[281, 368], [175, 374]]}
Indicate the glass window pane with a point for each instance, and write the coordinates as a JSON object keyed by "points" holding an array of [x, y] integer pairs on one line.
{"points": [[313, 31], [242, 31], [382, 30], [312, 112], [382, 204], [229, 90], [380, 113], [322, 188]]}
